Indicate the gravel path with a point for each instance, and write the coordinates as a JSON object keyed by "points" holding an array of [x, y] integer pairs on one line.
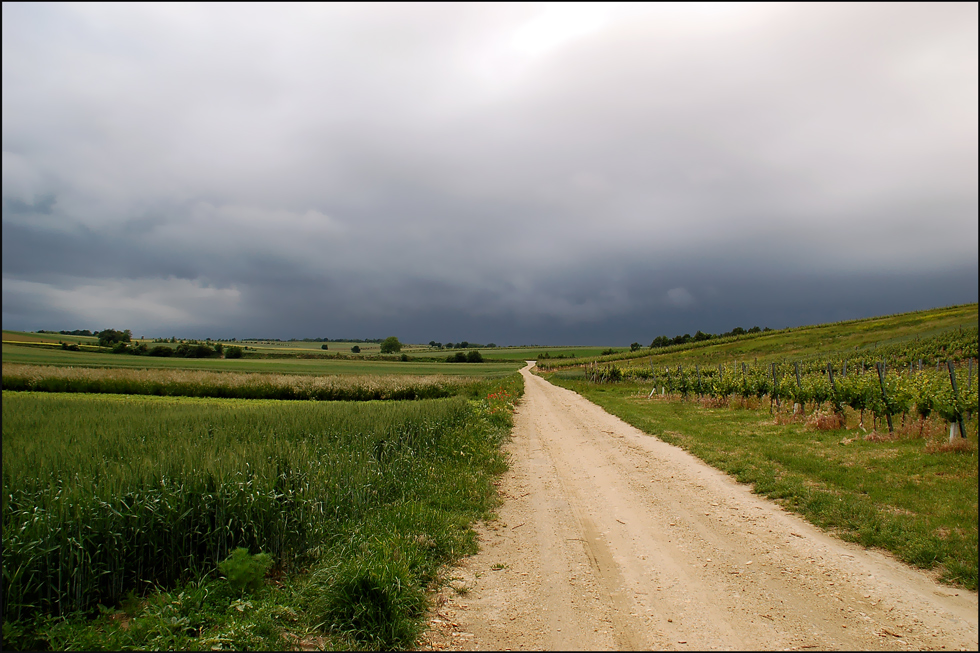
{"points": [[612, 539]]}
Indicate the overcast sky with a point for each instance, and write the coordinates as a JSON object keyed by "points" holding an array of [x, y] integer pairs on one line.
{"points": [[512, 173]]}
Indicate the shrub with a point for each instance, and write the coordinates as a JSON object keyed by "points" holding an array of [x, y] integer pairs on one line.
{"points": [[161, 350], [474, 357], [185, 350], [355, 349], [324, 346], [233, 352], [404, 357], [245, 572], [458, 357]]}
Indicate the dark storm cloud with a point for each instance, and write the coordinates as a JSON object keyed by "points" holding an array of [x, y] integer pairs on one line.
{"points": [[41, 204], [533, 173]]}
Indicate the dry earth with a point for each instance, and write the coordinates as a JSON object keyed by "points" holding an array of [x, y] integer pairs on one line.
{"points": [[609, 538]]}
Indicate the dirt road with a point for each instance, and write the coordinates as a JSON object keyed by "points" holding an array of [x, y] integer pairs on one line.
{"points": [[612, 539]]}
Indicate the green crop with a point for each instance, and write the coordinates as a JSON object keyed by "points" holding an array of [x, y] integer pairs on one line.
{"points": [[107, 494]]}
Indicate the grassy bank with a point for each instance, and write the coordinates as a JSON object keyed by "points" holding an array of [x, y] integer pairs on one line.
{"points": [[911, 494], [357, 505]]}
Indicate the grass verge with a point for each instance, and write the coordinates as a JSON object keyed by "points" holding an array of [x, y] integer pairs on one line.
{"points": [[913, 496]]}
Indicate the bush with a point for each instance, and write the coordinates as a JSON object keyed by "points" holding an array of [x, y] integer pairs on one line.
{"points": [[186, 350], [474, 357], [233, 352], [161, 350], [355, 349], [245, 572], [404, 357], [324, 346], [458, 357]]}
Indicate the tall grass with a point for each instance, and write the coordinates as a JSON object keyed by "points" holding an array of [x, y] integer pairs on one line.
{"points": [[232, 385], [104, 495]]}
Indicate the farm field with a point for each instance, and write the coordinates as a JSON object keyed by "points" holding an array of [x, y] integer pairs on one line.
{"points": [[240, 385], [290, 365], [226, 515], [150, 522], [826, 341]]}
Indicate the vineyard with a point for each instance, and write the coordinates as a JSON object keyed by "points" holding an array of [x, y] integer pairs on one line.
{"points": [[929, 376]]}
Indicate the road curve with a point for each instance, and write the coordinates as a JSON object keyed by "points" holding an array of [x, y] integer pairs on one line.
{"points": [[609, 538]]}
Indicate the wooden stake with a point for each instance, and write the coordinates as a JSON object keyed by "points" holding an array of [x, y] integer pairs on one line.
{"points": [[881, 379], [956, 398]]}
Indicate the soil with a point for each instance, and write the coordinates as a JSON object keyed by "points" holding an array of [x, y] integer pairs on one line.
{"points": [[609, 538]]}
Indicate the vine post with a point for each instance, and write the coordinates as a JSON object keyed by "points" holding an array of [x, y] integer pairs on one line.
{"points": [[956, 400], [884, 397]]}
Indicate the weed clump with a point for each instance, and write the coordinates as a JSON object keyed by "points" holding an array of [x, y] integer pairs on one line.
{"points": [[824, 421], [372, 597], [245, 572]]}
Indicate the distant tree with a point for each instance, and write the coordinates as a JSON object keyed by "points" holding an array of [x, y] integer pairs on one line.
{"points": [[660, 341], [766, 329], [432, 343], [491, 346], [738, 331], [474, 357], [755, 329], [194, 350], [161, 350], [463, 345], [404, 357], [355, 349], [634, 346], [110, 337], [324, 346], [701, 336], [233, 351], [391, 345]]}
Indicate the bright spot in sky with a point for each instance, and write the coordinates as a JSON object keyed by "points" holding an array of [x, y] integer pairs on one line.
{"points": [[558, 24]]}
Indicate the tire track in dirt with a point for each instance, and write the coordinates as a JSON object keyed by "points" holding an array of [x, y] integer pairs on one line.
{"points": [[611, 539]]}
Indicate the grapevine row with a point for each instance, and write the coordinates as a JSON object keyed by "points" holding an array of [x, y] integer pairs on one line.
{"points": [[914, 389]]}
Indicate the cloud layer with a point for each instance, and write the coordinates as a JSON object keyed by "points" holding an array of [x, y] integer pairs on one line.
{"points": [[520, 173]]}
